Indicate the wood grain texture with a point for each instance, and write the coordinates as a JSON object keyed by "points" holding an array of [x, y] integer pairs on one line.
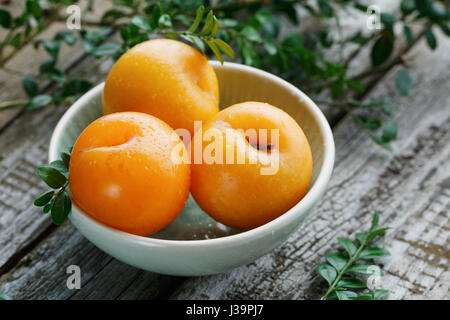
{"points": [[409, 187]]}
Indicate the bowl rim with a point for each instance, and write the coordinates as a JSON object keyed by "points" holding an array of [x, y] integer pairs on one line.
{"points": [[302, 206]]}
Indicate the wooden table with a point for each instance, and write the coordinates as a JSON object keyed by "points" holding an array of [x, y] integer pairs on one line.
{"points": [[410, 187]]}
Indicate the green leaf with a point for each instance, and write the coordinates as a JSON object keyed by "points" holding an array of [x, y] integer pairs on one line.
{"points": [[337, 88], [251, 34], [52, 47], [372, 253], [381, 142], [141, 23], [5, 18], [325, 9], [379, 294], [65, 157], [345, 294], [47, 207], [30, 86], [16, 40], [351, 283], [156, 13], [75, 86], [44, 199], [348, 245], [215, 28], [332, 296], [388, 19], [215, 50], [355, 85], [362, 268], [337, 260], [195, 40], [224, 47], [38, 102], [378, 232], [431, 39], [52, 177], [403, 81], [33, 8], [209, 24], [112, 15], [361, 237], [61, 208], [57, 75], [445, 29], [382, 48], [368, 123], [387, 106], [375, 221], [247, 52], [165, 21], [229, 23], [408, 35], [389, 131], [47, 66], [107, 49], [407, 6], [198, 19], [60, 166], [270, 47], [327, 272]]}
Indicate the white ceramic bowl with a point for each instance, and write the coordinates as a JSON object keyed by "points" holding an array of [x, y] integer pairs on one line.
{"points": [[194, 244]]}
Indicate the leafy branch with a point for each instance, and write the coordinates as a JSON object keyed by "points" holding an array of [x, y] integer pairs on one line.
{"points": [[57, 201], [338, 266]]}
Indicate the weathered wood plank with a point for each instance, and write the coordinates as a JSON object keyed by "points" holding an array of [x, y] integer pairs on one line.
{"points": [[410, 187]]}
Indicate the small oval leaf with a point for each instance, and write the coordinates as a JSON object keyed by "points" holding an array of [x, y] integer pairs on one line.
{"points": [[224, 47], [327, 272], [52, 177], [198, 19], [345, 294], [348, 245], [351, 283], [44, 199], [337, 260], [372, 253], [61, 208]]}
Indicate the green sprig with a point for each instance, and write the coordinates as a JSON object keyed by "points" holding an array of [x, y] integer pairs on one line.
{"points": [[57, 201], [339, 270]]}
